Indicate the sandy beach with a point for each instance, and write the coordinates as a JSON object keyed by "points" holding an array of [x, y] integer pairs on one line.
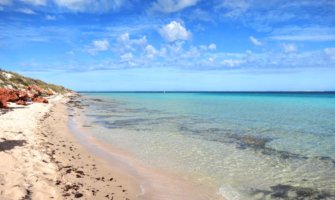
{"points": [[40, 159], [51, 151], [44, 158]]}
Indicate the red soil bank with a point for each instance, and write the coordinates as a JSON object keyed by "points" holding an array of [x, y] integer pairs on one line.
{"points": [[22, 97]]}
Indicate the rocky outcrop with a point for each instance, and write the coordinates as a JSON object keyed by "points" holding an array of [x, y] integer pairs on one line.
{"points": [[23, 97], [21, 102], [40, 100], [7, 95], [3, 104]]}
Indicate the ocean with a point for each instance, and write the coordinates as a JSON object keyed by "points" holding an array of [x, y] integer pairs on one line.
{"points": [[245, 145]]}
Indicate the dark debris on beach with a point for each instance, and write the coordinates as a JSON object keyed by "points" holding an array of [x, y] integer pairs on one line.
{"points": [[70, 182]]}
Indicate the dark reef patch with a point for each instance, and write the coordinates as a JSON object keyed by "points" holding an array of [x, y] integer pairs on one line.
{"points": [[250, 141], [289, 192], [243, 141], [126, 123], [97, 100]]}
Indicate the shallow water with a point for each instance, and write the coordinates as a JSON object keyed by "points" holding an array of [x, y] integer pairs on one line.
{"points": [[246, 145]]}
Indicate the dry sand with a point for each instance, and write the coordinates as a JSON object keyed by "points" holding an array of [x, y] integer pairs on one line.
{"points": [[25, 171], [40, 159]]}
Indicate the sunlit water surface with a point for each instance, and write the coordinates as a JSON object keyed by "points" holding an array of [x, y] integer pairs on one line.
{"points": [[247, 145]]}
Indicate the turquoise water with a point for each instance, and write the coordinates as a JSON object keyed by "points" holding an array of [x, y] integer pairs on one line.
{"points": [[247, 145]]}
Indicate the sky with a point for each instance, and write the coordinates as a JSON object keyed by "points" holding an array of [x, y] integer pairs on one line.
{"points": [[134, 45]]}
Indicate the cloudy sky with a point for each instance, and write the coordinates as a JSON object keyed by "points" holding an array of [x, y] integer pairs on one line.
{"points": [[171, 44]]}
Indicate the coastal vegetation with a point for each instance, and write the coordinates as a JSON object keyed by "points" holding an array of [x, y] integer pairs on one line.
{"points": [[22, 90], [12, 80]]}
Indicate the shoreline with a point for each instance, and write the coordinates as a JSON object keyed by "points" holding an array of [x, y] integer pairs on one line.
{"points": [[80, 169], [154, 183]]}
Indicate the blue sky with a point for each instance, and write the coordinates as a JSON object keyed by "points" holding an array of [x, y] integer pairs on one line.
{"points": [[171, 45]]}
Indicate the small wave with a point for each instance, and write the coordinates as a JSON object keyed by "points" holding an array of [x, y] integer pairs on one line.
{"points": [[229, 193], [142, 191]]}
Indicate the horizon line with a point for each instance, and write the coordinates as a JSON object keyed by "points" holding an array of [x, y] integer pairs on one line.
{"points": [[196, 91]]}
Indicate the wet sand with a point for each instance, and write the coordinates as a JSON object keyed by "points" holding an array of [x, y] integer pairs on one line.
{"points": [[153, 183], [81, 171]]}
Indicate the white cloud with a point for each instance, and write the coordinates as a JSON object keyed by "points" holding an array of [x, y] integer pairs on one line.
{"points": [[150, 51], [255, 41], [90, 5], [126, 57], [212, 46], [101, 45], [169, 6], [176, 48], [35, 2], [26, 11], [174, 31], [125, 43], [316, 38], [289, 48], [5, 2], [50, 17], [163, 52], [140, 42], [125, 39], [330, 52], [199, 14], [193, 52], [234, 8], [312, 33], [98, 46], [209, 47], [232, 62], [75, 5]]}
